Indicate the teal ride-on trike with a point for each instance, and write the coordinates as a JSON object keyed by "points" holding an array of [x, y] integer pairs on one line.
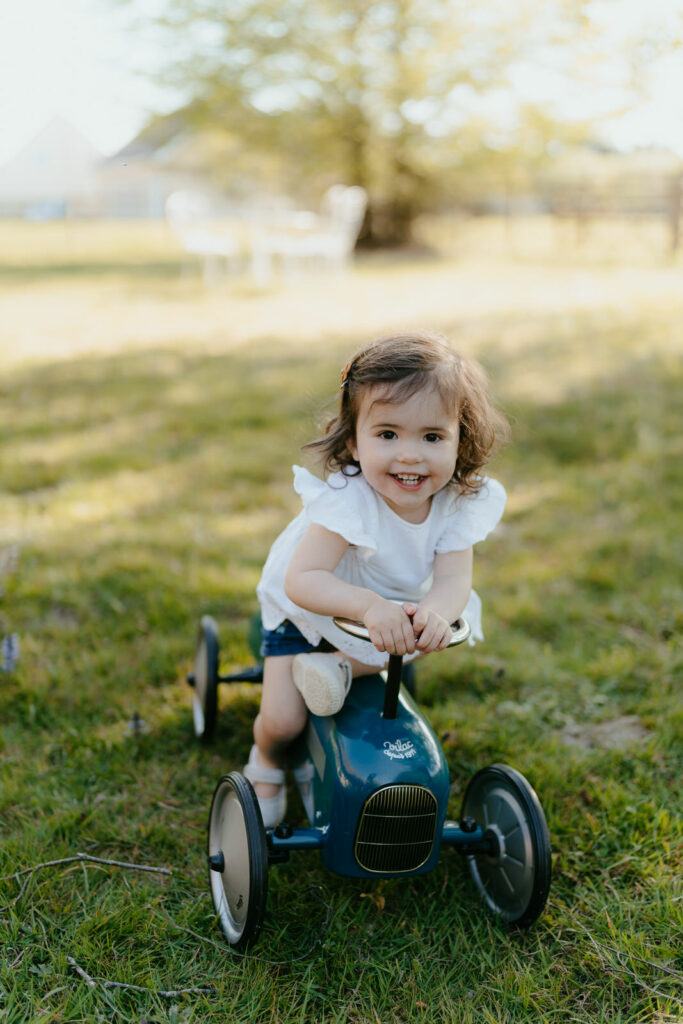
{"points": [[374, 785]]}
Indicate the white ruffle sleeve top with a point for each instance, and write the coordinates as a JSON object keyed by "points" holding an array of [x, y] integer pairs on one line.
{"points": [[386, 554]]}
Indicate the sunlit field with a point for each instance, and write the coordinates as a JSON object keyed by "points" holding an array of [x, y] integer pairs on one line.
{"points": [[149, 424]]}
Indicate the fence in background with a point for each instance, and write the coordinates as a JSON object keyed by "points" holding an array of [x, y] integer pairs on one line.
{"points": [[616, 219]]}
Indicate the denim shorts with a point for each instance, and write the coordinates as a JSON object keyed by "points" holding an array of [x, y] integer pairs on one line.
{"points": [[287, 639]]}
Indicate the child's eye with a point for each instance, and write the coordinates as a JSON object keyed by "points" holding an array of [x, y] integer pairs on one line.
{"points": [[432, 437], [387, 435]]}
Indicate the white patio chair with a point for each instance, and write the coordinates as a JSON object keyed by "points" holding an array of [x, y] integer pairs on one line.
{"points": [[195, 219], [303, 238]]}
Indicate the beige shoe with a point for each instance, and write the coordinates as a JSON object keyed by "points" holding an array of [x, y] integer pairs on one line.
{"points": [[323, 680]]}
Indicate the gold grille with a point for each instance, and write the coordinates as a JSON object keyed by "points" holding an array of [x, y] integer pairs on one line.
{"points": [[396, 829]]}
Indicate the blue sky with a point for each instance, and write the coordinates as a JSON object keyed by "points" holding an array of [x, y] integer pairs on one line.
{"points": [[76, 58]]}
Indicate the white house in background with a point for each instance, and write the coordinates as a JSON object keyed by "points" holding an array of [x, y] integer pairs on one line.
{"points": [[137, 180], [57, 168], [61, 174]]}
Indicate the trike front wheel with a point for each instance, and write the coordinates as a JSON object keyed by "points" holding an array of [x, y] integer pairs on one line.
{"points": [[238, 860]]}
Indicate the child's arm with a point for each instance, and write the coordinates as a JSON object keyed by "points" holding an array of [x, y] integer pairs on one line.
{"points": [[311, 583], [447, 597]]}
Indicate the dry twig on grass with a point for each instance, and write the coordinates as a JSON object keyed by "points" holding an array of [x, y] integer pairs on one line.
{"points": [[165, 993], [602, 948], [27, 874], [78, 858]]}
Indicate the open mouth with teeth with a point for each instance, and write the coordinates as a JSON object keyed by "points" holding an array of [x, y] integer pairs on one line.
{"points": [[411, 480]]}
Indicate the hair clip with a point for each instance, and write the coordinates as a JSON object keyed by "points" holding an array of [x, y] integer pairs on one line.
{"points": [[345, 373]]}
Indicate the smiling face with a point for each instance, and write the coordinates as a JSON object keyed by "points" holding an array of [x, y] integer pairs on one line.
{"points": [[407, 450]]}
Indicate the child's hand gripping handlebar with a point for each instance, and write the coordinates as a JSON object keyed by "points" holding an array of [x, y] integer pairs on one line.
{"points": [[461, 632]]}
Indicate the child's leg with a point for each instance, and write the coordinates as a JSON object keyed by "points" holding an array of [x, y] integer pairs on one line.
{"points": [[283, 713], [281, 718]]}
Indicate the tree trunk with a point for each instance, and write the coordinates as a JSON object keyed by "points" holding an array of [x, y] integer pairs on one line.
{"points": [[388, 224]]}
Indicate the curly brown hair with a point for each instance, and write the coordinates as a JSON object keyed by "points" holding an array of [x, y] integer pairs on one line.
{"points": [[402, 365]]}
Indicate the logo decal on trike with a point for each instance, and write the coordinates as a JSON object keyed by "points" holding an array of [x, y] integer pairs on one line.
{"points": [[400, 750]]}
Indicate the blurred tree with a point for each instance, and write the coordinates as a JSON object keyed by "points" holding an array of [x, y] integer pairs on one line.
{"points": [[375, 94]]}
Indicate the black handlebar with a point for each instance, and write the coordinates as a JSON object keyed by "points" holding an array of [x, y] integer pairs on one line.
{"points": [[461, 632]]}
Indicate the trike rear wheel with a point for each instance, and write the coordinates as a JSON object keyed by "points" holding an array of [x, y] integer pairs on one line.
{"points": [[514, 877], [205, 680]]}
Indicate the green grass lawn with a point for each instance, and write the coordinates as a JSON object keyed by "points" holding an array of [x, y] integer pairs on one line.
{"points": [[141, 489]]}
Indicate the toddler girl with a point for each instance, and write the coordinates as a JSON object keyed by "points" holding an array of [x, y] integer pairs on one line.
{"points": [[386, 539]]}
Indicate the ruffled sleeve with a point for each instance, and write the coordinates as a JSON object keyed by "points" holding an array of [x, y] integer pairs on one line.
{"points": [[341, 505], [471, 517]]}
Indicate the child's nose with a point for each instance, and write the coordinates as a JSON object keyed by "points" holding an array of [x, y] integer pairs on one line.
{"points": [[409, 452]]}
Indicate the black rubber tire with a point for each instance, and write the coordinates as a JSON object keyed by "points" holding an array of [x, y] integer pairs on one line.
{"points": [[515, 882], [236, 832], [205, 687]]}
